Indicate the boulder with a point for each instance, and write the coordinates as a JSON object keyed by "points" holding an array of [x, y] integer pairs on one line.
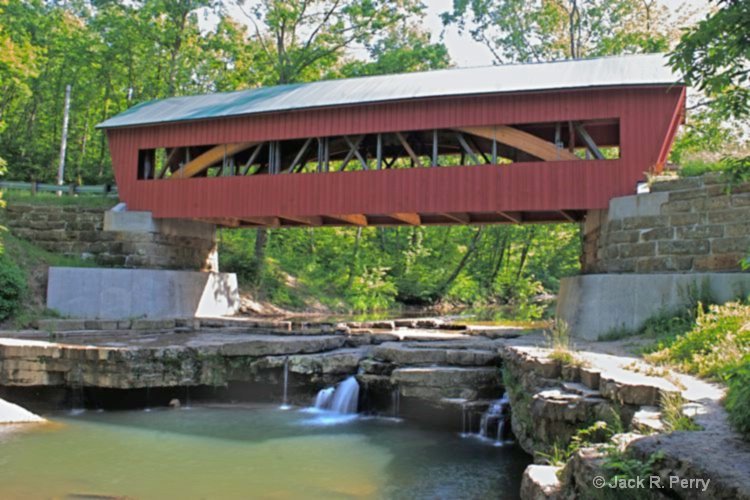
{"points": [[540, 482]]}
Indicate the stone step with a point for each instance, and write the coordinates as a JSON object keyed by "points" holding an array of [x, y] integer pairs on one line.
{"points": [[341, 361], [441, 376], [406, 355]]}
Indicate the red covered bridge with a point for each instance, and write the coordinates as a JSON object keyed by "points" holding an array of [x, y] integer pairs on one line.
{"points": [[519, 143]]}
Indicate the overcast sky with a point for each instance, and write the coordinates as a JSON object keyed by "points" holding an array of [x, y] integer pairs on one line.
{"points": [[466, 52]]}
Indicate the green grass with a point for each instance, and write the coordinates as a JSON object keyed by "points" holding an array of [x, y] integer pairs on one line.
{"points": [[672, 413], [83, 200], [713, 346], [29, 256], [695, 168], [716, 346], [33, 262]]}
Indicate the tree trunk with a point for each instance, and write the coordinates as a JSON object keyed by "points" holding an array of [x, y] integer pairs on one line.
{"points": [[460, 267], [261, 239]]}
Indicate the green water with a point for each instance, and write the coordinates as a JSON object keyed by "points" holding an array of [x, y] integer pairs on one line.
{"points": [[247, 453]]}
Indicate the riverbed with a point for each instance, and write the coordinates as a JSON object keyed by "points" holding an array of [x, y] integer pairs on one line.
{"points": [[257, 451]]}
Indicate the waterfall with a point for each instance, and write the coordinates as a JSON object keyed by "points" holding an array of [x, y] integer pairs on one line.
{"points": [[495, 416], [396, 402], [323, 399], [284, 401], [341, 399]]}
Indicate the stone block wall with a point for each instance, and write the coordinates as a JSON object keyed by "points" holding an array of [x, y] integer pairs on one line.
{"points": [[683, 225], [80, 232]]}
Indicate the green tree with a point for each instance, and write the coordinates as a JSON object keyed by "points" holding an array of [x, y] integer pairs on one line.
{"points": [[714, 57], [519, 31]]}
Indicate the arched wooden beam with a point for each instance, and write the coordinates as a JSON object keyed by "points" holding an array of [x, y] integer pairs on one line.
{"points": [[528, 143], [213, 155]]}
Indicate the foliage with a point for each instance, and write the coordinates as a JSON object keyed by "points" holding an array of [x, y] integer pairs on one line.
{"points": [[12, 287], [506, 266], [118, 54], [619, 465], [672, 413], [714, 346], [714, 57], [598, 432], [518, 31], [738, 396]]}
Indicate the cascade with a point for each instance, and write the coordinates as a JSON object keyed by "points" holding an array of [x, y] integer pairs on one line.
{"points": [[341, 399], [495, 417]]}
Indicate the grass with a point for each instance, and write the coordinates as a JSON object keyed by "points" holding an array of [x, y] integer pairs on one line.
{"points": [[34, 262], [715, 346], [712, 347], [672, 413], [697, 167], [83, 200]]}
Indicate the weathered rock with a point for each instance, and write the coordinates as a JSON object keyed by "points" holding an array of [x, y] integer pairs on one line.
{"points": [[436, 383], [540, 482], [266, 345]]}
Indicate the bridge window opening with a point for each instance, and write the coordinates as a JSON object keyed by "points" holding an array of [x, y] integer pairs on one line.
{"points": [[458, 147]]}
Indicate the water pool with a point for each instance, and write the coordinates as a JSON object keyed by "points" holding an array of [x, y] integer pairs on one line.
{"points": [[249, 452]]}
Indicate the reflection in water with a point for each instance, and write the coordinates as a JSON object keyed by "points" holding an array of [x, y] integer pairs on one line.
{"points": [[244, 452]]}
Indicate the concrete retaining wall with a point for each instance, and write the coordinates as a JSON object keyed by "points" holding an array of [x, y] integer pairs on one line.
{"points": [[98, 293], [594, 305]]}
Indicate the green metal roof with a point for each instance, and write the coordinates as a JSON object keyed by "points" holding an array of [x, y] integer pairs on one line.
{"points": [[644, 69]]}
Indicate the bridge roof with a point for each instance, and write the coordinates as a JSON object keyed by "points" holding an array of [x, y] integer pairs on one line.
{"points": [[620, 71]]}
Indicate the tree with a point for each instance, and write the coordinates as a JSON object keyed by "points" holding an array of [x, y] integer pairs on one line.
{"points": [[714, 57], [520, 31]]}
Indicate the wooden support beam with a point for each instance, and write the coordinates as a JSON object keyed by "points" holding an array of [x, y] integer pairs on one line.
{"points": [[528, 143], [353, 150], [251, 159], [213, 155], [301, 153], [262, 221], [353, 219], [408, 218], [514, 217], [465, 146], [301, 219], [408, 149], [457, 217], [590, 144], [221, 221], [569, 215]]}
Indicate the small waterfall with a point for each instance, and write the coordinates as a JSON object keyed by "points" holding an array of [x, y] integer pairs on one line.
{"points": [[495, 419], [323, 399], [77, 397], [284, 401], [465, 420], [341, 399], [396, 402]]}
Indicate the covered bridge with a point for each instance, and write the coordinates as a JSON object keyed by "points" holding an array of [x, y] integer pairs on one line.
{"points": [[518, 143]]}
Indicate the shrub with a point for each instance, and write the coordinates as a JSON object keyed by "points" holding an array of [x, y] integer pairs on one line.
{"points": [[738, 397], [12, 287]]}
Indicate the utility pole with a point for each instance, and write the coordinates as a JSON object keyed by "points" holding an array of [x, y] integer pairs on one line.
{"points": [[64, 141]]}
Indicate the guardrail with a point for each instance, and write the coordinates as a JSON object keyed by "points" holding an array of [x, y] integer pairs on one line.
{"points": [[72, 189]]}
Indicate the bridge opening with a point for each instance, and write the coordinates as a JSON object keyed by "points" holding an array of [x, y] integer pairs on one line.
{"points": [[461, 146]]}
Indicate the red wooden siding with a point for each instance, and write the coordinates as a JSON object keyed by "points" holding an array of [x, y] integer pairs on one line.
{"points": [[648, 116]]}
